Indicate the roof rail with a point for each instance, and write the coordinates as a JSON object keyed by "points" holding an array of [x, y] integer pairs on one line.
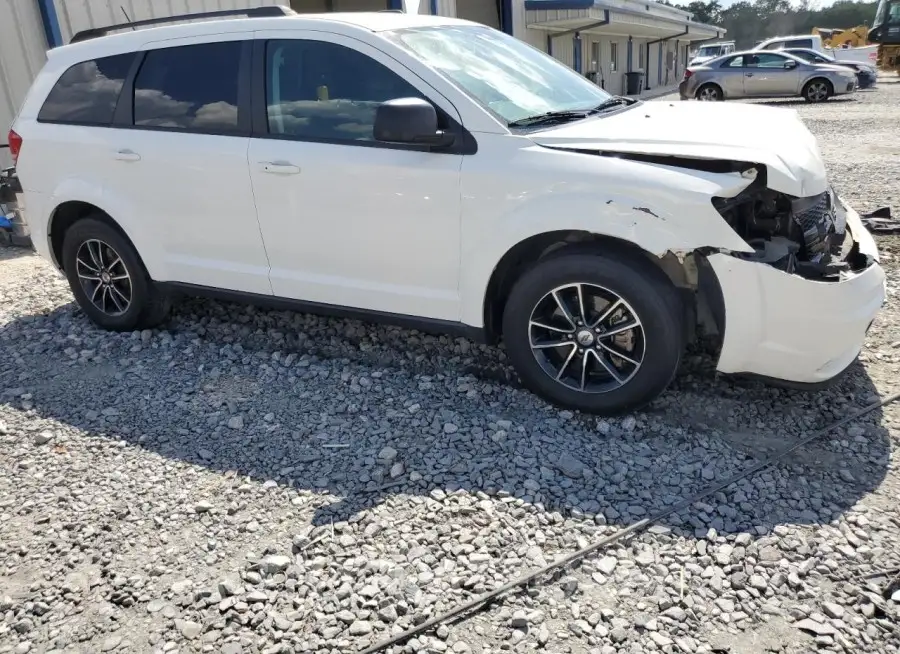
{"points": [[255, 12]]}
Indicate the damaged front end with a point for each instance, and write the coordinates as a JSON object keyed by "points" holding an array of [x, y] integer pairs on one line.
{"points": [[807, 237]]}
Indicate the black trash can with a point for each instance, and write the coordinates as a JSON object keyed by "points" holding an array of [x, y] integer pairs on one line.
{"points": [[633, 82]]}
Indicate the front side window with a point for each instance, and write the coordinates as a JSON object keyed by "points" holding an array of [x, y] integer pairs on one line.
{"points": [[192, 88], [87, 93], [503, 74], [767, 61], [324, 91]]}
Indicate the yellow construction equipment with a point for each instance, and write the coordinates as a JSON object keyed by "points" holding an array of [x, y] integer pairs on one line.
{"points": [[886, 33], [855, 37]]}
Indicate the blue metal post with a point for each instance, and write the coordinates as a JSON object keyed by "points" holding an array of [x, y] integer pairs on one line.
{"points": [[628, 55], [434, 7], [395, 4], [549, 44], [51, 22], [576, 53]]}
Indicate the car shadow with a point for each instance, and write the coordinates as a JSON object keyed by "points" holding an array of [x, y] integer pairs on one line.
{"points": [[356, 419], [8, 252], [787, 102]]}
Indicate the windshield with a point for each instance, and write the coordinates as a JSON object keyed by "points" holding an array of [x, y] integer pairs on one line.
{"points": [[507, 76], [710, 51]]}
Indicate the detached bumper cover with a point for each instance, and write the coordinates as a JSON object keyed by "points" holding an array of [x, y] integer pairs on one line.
{"points": [[788, 328]]}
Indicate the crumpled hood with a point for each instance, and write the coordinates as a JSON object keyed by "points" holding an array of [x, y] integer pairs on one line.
{"points": [[773, 137]]}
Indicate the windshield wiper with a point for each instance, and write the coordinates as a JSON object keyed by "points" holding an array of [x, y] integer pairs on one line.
{"points": [[614, 101], [549, 117]]}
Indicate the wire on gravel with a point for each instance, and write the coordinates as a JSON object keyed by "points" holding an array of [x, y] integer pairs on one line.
{"points": [[623, 533]]}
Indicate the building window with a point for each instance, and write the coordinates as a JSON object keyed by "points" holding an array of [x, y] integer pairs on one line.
{"points": [[595, 56], [613, 57], [641, 47]]}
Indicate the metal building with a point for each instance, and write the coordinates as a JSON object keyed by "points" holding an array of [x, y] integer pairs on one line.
{"points": [[603, 39]]}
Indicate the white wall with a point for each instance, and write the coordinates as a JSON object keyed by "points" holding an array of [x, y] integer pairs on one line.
{"points": [[23, 49], [77, 15]]}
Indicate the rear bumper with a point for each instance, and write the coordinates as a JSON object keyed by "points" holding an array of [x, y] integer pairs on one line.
{"points": [[791, 329]]}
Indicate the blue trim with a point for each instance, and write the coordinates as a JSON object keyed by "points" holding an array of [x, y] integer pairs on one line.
{"points": [[395, 4], [51, 22], [506, 16], [629, 55], [577, 53], [434, 8], [558, 4]]}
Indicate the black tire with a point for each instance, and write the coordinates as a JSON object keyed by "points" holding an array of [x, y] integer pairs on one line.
{"points": [[636, 281], [713, 90], [813, 85], [148, 306]]}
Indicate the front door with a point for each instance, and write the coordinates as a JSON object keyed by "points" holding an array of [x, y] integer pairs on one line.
{"points": [[346, 220], [768, 73]]}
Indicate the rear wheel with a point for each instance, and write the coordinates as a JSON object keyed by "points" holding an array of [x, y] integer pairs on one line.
{"points": [[817, 90], [601, 334], [108, 279], [710, 93]]}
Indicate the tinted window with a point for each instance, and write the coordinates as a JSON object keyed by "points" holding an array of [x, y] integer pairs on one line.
{"points": [[734, 62], [192, 88], [799, 43], [325, 91], [87, 93], [767, 61]]}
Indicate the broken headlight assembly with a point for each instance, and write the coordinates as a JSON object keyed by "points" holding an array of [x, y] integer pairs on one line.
{"points": [[803, 236]]}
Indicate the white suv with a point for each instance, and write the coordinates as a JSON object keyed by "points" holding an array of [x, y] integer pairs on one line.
{"points": [[440, 174]]}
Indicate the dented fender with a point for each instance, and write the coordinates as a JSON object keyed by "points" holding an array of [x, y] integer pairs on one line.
{"points": [[659, 209]]}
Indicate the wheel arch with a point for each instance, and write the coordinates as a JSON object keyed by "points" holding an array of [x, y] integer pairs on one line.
{"points": [[689, 273], [812, 78], [716, 84], [66, 214]]}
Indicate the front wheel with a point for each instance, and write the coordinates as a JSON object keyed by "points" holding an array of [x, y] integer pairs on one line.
{"points": [[817, 90], [597, 333]]}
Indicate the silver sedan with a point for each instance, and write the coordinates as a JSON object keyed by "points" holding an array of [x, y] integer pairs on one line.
{"points": [[765, 74]]}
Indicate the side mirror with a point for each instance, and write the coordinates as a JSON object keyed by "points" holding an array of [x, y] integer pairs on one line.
{"points": [[790, 65], [412, 121]]}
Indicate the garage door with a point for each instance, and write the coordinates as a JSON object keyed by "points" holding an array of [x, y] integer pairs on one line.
{"points": [[481, 11]]}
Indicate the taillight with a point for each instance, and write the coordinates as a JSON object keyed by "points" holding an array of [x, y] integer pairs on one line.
{"points": [[15, 145], [687, 73]]}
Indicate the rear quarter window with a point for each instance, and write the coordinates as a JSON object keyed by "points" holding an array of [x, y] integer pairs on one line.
{"points": [[87, 93]]}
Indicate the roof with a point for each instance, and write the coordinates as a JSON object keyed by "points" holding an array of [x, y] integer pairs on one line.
{"points": [[340, 22]]}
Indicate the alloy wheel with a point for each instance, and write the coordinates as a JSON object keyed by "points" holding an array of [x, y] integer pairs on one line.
{"points": [[587, 338], [708, 94], [817, 91], [104, 277]]}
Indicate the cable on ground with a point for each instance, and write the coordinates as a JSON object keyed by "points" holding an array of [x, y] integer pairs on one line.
{"points": [[619, 535]]}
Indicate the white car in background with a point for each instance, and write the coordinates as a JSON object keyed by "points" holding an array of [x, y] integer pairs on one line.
{"points": [[437, 173], [711, 51]]}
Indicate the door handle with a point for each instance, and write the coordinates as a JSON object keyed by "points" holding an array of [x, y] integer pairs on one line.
{"points": [[127, 155], [748, 74], [279, 168]]}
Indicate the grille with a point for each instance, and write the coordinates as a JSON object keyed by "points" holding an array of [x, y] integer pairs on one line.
{"points": [[815, 217]]}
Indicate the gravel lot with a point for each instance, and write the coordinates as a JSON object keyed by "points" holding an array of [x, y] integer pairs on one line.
{"points": [[249, 481]]}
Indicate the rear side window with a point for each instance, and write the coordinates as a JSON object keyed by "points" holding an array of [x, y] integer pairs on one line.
{"points": [[799, 43], [87, 93], [192, 88]]}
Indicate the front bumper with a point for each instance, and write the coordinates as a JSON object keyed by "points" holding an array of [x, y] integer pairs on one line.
{"points": [[787, 328]]}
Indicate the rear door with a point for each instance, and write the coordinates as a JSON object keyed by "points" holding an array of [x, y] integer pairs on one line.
{"points": [[178, 161]]}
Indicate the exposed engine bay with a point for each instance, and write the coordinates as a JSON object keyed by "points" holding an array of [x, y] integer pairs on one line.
{"points": [[803, 236]]}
